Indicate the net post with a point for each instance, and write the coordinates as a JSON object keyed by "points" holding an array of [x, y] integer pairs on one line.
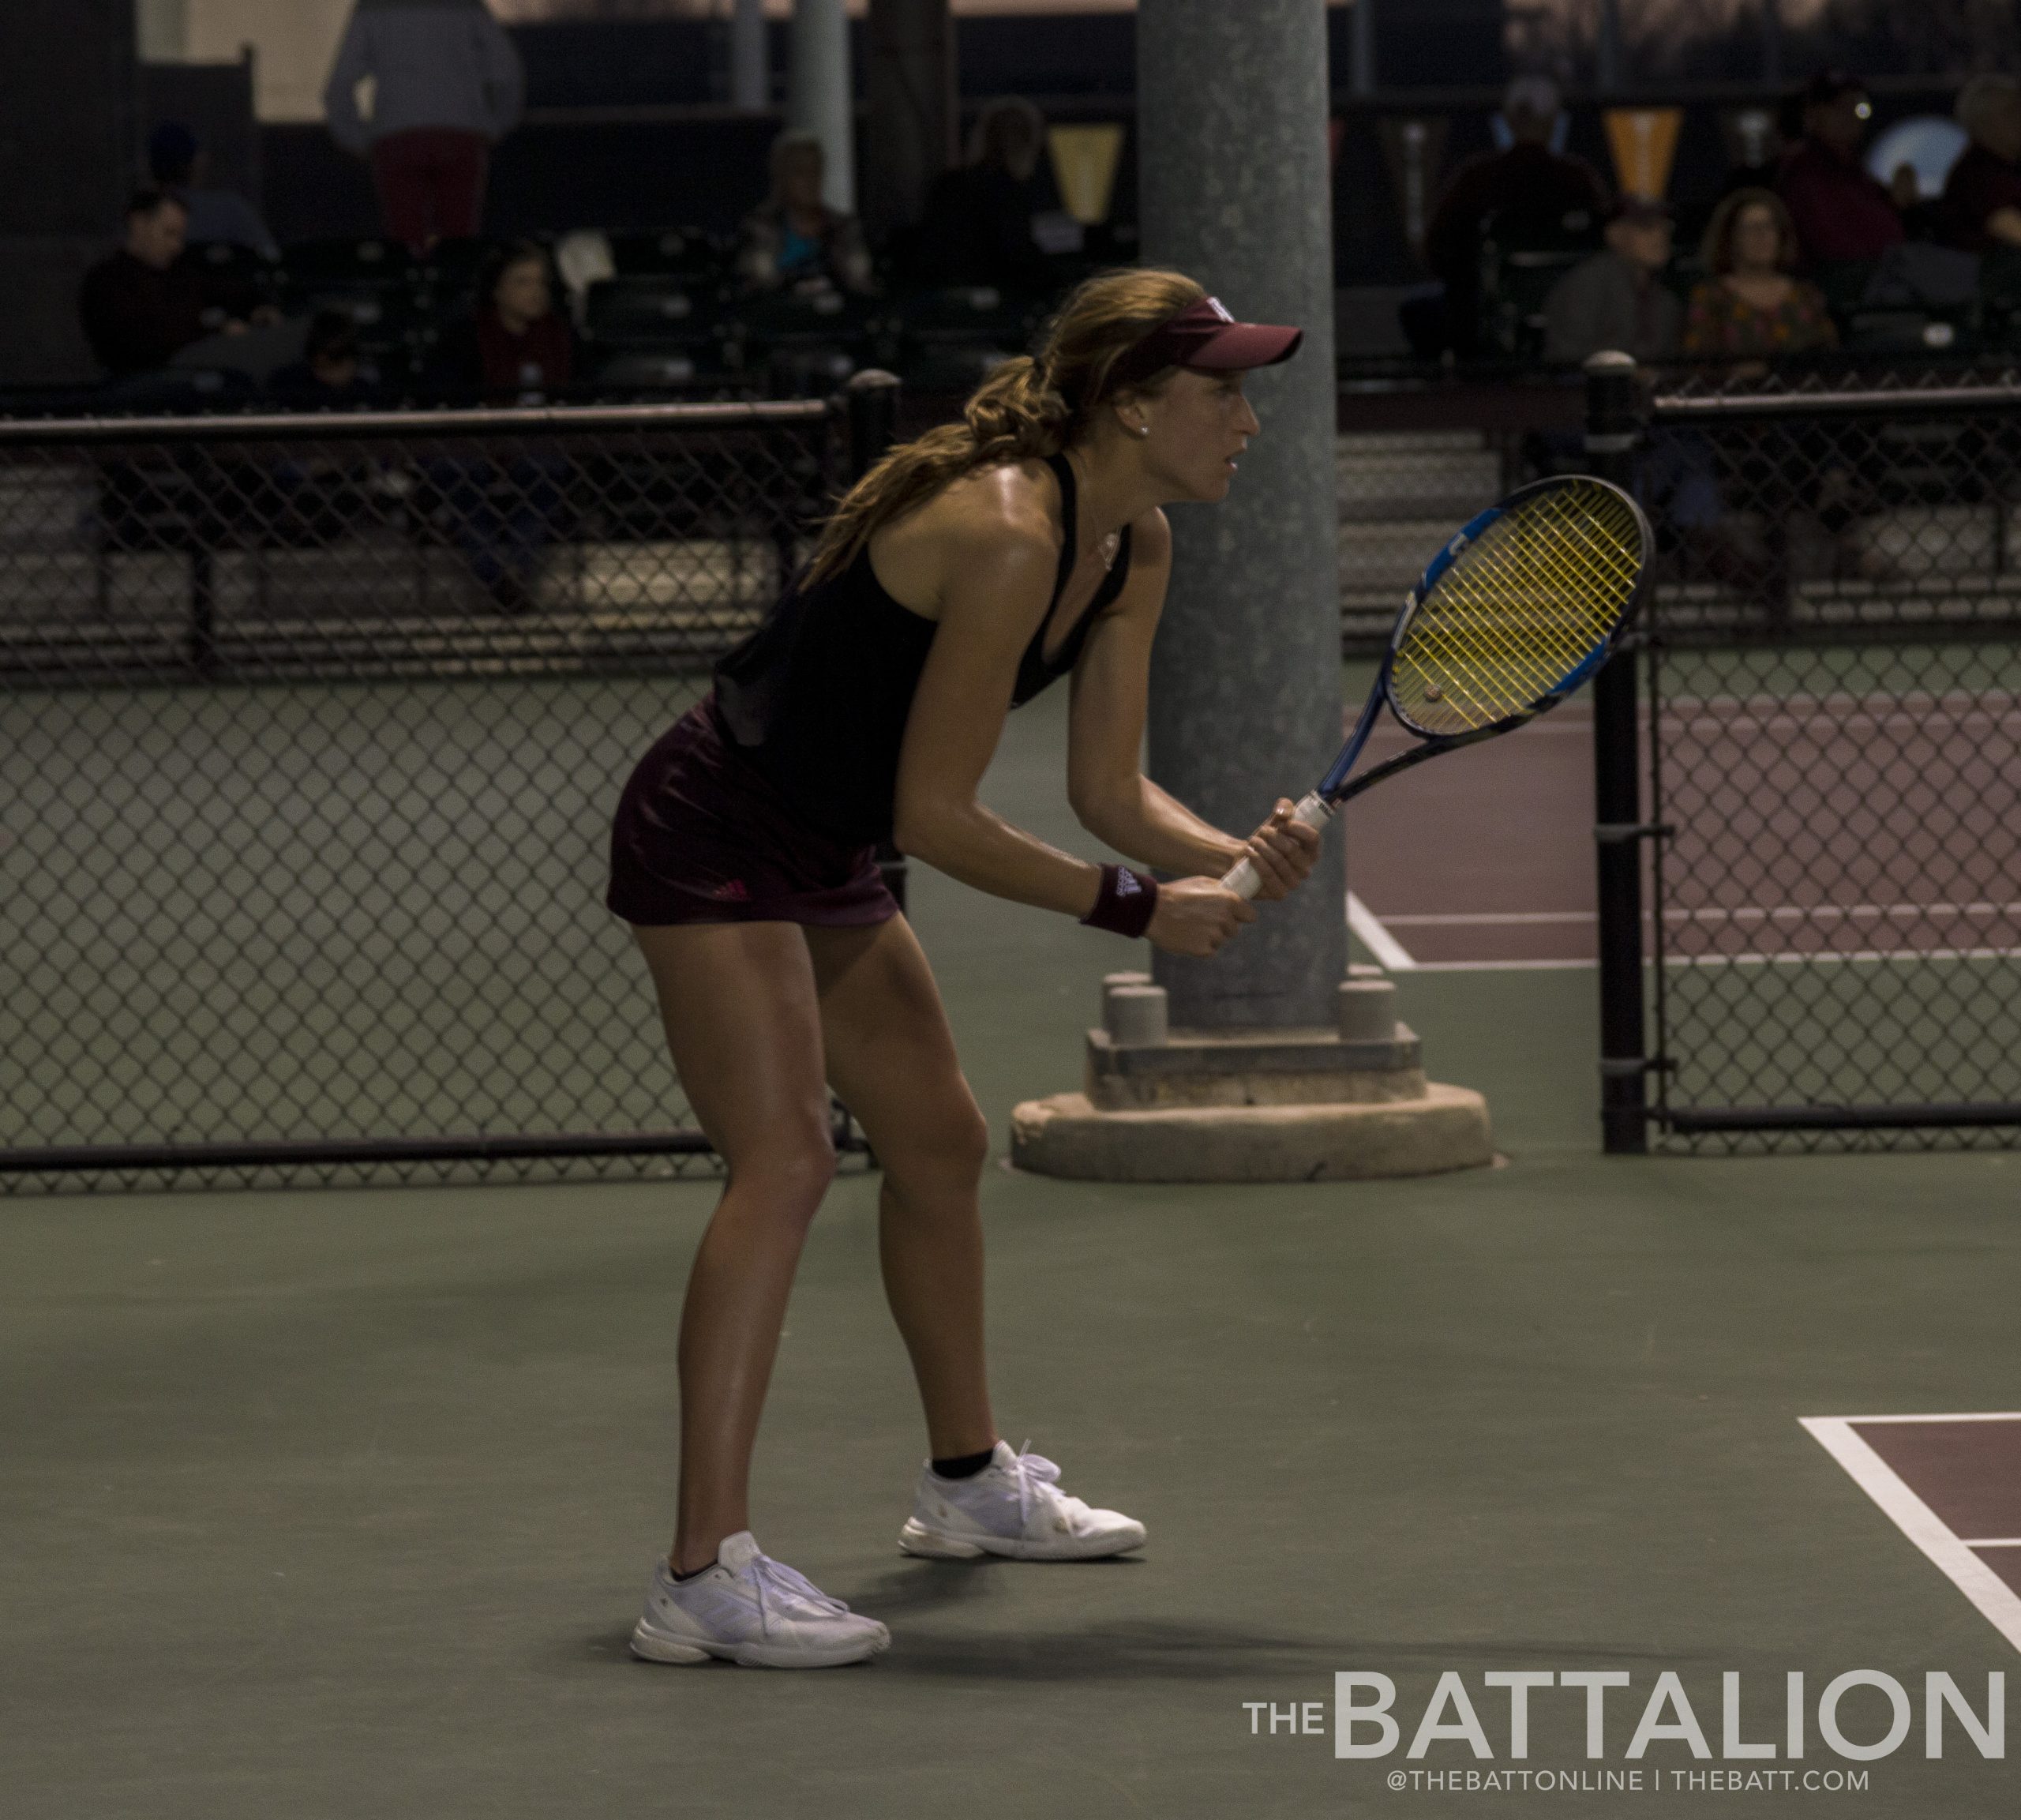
{"points": [[1613, 432], [870, 402]]}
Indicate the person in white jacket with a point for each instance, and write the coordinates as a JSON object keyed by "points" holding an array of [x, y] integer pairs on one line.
{"points": [[447, 85]]}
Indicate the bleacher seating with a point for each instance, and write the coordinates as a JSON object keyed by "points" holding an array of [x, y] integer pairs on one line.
{"points": [[2000, 298], [672, 319], [1521, 259], [806, 343], [375, 282], [947, 340], [678, 253]]}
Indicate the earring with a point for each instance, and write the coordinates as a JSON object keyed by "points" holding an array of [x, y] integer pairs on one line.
{"points": [[1141, 430]]}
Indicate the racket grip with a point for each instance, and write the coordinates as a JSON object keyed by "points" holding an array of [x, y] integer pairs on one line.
{"points": [[1243, 879]]}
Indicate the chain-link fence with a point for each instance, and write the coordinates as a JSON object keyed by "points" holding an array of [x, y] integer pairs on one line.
{"points": [[1401, 494], [1828, 951], [310, 731]]}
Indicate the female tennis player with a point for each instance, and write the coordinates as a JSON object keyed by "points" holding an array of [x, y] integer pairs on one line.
{"points": [[965, 572]]}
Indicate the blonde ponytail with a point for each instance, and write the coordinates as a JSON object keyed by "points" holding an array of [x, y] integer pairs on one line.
{"points": [[1029, 408]]}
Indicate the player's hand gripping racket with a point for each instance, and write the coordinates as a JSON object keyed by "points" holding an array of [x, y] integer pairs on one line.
{"points": [[1513, 614]]}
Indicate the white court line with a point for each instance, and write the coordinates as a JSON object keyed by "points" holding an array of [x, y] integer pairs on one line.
{"points": [[1992, 1541], [1389, 952], [1742, 912], [1503, 966], [1823, 913], [1997, 1601], [1823, 723], [1805, 960], [1569, 966], [1488, 919]]}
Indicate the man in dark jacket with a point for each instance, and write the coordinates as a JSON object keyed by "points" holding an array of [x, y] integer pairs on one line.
{"points": [[1534, 197], [1842, 213], [145, 303], [977, 225]]}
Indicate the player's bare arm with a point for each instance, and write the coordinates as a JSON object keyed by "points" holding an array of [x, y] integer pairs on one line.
{"points": [[1110, 797]]}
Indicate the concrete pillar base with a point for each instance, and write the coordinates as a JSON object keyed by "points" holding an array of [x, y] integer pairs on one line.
{"points": [[1066, 1135]]}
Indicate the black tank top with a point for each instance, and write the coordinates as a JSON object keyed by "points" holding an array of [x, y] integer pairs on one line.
{"points": [[818, 696]]}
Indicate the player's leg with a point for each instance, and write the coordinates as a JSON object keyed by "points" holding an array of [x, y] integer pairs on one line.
{"points": [[890, 1057], [739, 1003], [742, 1019]]}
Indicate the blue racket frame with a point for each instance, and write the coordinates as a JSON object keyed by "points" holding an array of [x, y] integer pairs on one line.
{"points": [[1335, 788]]}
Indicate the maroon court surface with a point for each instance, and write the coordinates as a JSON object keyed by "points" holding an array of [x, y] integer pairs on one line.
{"points": [[1969, 1475], [1842, 826]]}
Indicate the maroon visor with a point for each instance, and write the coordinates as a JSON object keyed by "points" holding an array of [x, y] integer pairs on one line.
{"points": [[1204, 338]]}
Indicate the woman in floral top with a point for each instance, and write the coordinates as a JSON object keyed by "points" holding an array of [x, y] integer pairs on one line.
{"points": [[1751, 307]]}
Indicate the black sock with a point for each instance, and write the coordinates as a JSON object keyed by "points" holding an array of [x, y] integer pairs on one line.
{"points": [[965, 1466], [681, 1579]]}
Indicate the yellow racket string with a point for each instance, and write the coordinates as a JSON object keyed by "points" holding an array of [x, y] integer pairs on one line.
{"points": [[1521, 645], [1519, 609]]}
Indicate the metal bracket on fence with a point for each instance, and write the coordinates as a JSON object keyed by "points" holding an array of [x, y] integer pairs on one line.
{"points": [[1631, 1067], [1615, 833]]}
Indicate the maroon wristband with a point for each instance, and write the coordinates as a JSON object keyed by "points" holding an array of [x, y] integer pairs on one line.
{"points": [[1126, 902]]}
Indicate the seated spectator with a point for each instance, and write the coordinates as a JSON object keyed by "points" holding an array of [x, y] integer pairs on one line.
{"points": [[1538, 197], [330, 376], [1841, 212], [145, 302], [1616, 300], [977, 228], [516, 345], [447, 85], [1982, 205], [179, 165], [1751, 309], [793, 239], [503, 514]]}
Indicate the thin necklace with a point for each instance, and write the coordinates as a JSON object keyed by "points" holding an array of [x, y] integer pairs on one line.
{"points": [[1110, 546]]}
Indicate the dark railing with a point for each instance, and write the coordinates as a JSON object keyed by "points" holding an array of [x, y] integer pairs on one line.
{"points": [[310, 729], [1823, 716]]}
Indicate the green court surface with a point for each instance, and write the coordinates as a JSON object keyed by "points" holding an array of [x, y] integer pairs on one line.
{"points": [[342, 1502]]}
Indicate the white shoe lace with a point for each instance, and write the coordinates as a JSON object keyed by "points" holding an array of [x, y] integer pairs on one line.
{"points": [[1033, 1471], [789, 1585]]}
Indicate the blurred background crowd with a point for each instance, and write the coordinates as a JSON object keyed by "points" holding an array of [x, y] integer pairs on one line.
{"points": [[557, 198]]}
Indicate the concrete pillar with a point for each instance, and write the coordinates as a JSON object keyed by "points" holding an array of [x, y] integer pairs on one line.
{"points": [[1363, 76], [913, 112], [68, 160], [750, 75], [819, 99], [1246, 700]]}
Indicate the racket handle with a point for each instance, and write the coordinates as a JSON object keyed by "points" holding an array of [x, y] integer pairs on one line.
{"points": [[1243, 880]]}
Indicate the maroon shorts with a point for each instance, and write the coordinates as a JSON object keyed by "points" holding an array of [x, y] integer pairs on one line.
{"points": [[703, 836]]}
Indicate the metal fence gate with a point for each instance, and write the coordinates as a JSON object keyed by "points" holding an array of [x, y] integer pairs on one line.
{"points": [[310, 729], [1811, 830]]}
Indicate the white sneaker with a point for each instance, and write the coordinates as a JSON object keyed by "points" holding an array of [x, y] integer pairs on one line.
{"points": [[1013, 1507], [750, 1609]]}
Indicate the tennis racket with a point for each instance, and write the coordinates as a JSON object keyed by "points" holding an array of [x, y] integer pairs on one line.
{"points": [[1519, 609]]}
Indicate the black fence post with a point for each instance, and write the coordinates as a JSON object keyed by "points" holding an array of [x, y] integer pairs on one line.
{"points": [[872, 402], [1613, 431]]}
